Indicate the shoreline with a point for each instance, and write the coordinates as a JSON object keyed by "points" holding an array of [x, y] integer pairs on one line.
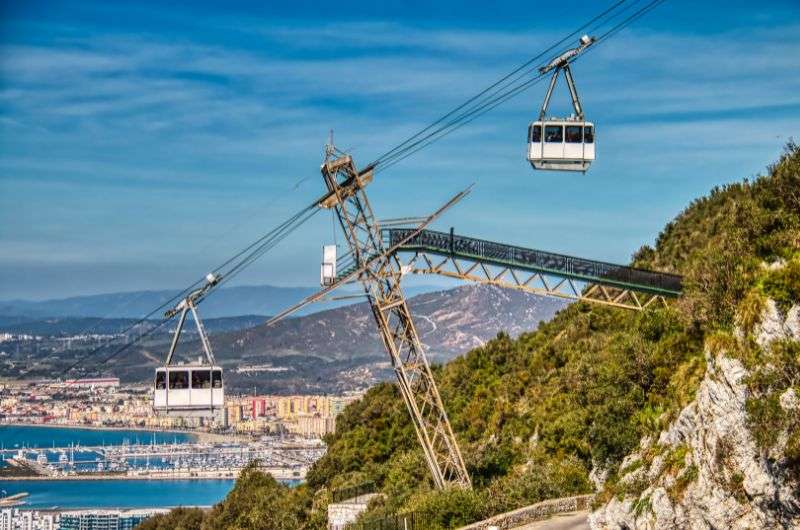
{"points": [[106, 478], [135, 478], [201, 436]]}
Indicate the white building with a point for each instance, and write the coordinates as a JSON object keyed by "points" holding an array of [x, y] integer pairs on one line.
{"points": [[97, 382], [16, 519]]}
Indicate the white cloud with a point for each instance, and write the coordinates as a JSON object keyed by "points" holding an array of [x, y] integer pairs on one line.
{"points": [[161, 114]]}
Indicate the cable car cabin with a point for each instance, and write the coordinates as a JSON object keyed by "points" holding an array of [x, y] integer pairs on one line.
{"points": [[561, 145], [188, 390]]}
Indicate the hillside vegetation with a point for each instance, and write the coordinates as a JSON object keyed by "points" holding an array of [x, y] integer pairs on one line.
{"points": [[536, 415]]}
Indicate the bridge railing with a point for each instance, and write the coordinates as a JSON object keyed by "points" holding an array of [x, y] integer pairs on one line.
{"points": [[534, 512], [538, 260]]}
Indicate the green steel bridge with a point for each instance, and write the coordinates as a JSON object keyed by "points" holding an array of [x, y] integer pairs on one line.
{"points": [[536, 271]]}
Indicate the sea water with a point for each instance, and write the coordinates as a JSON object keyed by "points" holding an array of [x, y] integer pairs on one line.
{"points": [[15, 437], [48, 494], [103, 493]]}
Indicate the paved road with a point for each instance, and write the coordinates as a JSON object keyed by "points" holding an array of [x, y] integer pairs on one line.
{"points": [[567, 521]]}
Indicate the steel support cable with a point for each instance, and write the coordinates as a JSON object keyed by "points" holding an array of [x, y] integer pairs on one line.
{"points": [[129, 302], [239, 267], [491, 98], [472, 114], [483, 110], [622, 25], [263, 239], [469, 115], [502, 80], [267, 246], [137, 323], [127, 345], [476, 107], [260, 243], [615, 16], [459, 118], [286, 229], [630, 20]]}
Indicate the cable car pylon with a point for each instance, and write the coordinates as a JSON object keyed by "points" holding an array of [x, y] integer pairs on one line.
{"points": [[379, 270]]}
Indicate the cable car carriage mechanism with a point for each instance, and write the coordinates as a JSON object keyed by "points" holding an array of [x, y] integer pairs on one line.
{"points": [[562, 144], [192, 389]]}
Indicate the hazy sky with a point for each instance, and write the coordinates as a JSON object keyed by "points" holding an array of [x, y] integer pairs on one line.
{"points": [[142, 145]]}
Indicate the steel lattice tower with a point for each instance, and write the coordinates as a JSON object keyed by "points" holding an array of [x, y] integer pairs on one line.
{"points": [[381, 280]]}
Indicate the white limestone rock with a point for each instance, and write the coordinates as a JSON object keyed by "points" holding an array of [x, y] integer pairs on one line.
{"points": [[789, 401], [792, 323], [730, 483]]}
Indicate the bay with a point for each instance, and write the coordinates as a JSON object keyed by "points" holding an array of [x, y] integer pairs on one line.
{"points": [[48, 494], [70, 494], [15, 436]]}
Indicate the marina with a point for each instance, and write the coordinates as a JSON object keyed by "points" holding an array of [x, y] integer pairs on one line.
{"points": [[43, 436], [287, 460], [59, 467]]}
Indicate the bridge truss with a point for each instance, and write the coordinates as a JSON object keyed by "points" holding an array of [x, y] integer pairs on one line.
{"points": [[530, 270]]}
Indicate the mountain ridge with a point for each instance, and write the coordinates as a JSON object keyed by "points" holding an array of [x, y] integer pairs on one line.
{"points": [[232, 301]]}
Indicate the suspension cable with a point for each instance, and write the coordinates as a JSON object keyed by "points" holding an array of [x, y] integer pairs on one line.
{"points": [[497, 84], [503, 90], [245, 258], [483, 102]]}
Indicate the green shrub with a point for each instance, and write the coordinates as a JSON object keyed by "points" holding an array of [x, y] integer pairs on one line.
{"points": [[449, 508], [543, 479], [177, 519], [783, 284]]}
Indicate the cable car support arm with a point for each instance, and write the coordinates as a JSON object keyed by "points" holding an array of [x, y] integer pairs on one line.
{"points": [[556, 66], [189, 304]]}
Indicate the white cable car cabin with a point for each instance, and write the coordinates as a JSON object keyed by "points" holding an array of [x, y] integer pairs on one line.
{"points": [[562, 144], [188, 390], [193, 389]]}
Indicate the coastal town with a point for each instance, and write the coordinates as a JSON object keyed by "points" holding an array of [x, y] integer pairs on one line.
{"points": [[283, 435], [104, 403]]}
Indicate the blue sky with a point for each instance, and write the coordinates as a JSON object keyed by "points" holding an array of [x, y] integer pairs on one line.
{"points": [[140, 144]]}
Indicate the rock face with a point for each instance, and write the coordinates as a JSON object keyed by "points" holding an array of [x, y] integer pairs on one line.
{"points": [[705, 471]]}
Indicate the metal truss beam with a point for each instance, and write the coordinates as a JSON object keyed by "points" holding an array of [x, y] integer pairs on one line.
{"points": [[473, 270], [380, 273]]}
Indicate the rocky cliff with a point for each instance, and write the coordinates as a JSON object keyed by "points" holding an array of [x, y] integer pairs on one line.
{"points": [[708, 470]]}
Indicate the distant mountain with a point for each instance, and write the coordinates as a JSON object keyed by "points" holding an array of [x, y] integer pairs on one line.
{"points": [[449, 323], [329, 351], [224, 302], [70, 326]]}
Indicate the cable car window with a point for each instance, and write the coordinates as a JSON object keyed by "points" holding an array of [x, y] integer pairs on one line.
{"points": [[161, 380], [178, 380], [588, 135], [554, 133], [201, 378], [536, 133], [573, 134], [217, 379]]}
